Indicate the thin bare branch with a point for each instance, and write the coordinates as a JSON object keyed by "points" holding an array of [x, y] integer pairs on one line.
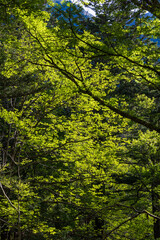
{"points": [[1, 186]]}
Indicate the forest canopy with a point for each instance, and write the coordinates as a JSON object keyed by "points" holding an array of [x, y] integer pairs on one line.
{"points": [[79, 114]]}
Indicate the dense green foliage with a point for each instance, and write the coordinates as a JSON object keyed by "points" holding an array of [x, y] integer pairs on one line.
{"points": [[79, 114]]}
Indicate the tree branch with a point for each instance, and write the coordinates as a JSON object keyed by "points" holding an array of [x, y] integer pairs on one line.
{"points": [[7, 197]]}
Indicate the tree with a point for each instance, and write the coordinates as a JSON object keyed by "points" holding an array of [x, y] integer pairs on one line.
{"points": [[45, 125], [98, 49], [73, 119]]}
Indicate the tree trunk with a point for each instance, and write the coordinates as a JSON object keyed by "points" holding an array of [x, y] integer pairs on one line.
{"points": [[155, 209]]}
